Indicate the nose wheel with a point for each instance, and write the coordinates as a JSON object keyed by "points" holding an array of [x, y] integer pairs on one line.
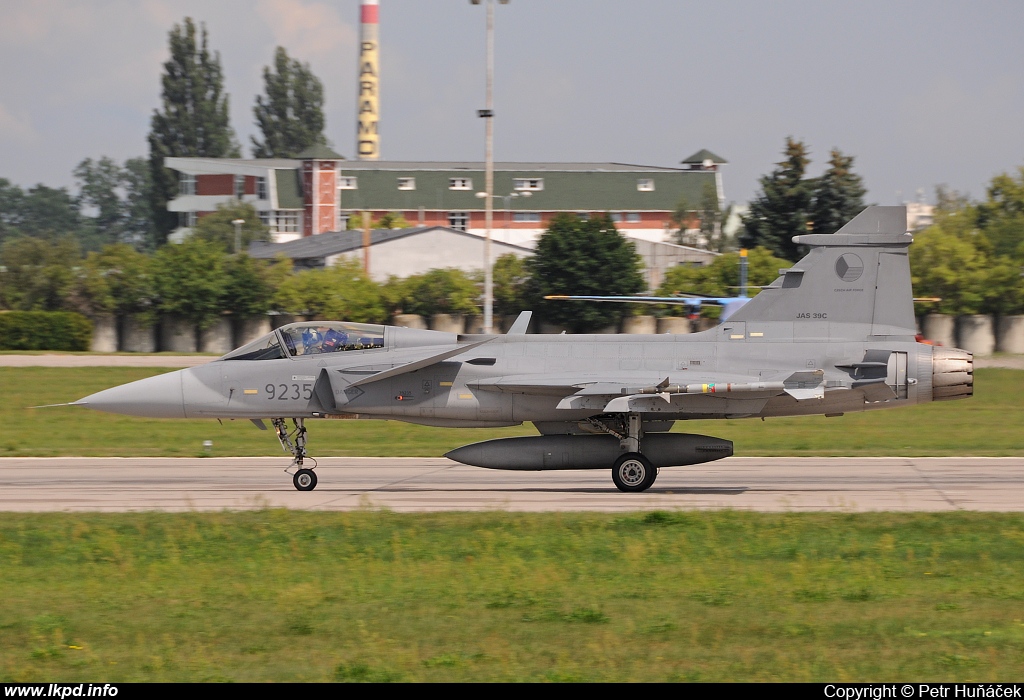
{"points": [[304, 479]]}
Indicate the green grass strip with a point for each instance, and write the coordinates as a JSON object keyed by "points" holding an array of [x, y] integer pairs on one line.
{"points": [[278, 595]]}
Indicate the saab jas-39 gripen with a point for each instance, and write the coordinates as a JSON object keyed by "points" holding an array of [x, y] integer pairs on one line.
{"points": [[833, 334]]}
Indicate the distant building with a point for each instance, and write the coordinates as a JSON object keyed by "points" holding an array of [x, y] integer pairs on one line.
{"points": [[319, 192], [398, 252], [919, 215]]}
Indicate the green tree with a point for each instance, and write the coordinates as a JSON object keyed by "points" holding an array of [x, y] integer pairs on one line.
{"points": [[38, 274], [391, 219], [1001, 216], [783, 207], [686, 221], [193, 120], [838, 195], [339, 293], [291, 117], [117, 198], [249, 288], [712, 219], [722, 277], [189, 281], [216, 227], [951, 268], [98, 184], [510, 278], [50, 213], [574, 256], [441, 291], [11, 197]]}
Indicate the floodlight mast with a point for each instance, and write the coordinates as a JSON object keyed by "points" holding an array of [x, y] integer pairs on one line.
{"points": [[488, 114]]}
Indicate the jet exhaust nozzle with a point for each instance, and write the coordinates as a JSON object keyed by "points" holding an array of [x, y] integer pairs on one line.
{"points": [[952, 374]]}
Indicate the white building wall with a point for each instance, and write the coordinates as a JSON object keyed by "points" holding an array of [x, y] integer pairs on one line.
{"points": [[430, 250]]}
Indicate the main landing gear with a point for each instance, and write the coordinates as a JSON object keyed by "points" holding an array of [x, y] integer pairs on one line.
{"points": [[304, 478], [632, 471]]}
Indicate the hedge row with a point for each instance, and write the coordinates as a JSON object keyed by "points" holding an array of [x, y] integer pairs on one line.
{"points": [[44, 330]]}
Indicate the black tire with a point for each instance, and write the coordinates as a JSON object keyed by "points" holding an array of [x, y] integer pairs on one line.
{"points": [[633, 473], [304, 480]]}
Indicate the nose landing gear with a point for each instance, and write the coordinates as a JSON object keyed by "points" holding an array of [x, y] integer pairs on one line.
{"points": [[304, 479]]}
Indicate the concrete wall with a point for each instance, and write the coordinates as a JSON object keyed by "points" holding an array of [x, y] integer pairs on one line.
{"points": [[940, 328], [976, 334], [104, 334], [1010, 334], [448, 323], [177, 335], [136, 336], [409, 321], [676, 325], [249, 329], [217, 338], [639, 325]]}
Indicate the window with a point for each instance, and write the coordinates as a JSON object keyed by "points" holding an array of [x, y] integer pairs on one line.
{"points": [[526, 217], [261, 188], [186, 184], [532, 185], [288, 221], [265, 218], [406, 183], [458, 220], [187, 219], [460, 183], [347, 183], [583, 215], [343, 220], [629, 217], [239, 186], [645, 185]]}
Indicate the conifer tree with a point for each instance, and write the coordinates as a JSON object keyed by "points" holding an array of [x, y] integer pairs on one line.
{"points": [[783, 208], [291, 117], [838, 195], [193, 120]]}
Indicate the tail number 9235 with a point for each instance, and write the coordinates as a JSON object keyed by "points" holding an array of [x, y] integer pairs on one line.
{"points": [[284, 392]]}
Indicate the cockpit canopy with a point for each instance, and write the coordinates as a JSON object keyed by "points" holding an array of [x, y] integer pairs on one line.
{"points": [[311, 338]]}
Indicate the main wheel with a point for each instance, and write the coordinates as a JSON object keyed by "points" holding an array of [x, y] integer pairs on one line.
{"points": [[633, 473], [304, 480]]}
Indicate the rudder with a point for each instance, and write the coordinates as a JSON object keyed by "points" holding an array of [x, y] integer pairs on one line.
{"points": [[857, 277]]}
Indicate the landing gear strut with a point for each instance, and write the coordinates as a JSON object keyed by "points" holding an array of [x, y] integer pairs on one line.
{"points": [[632, 471], [295, 442]]}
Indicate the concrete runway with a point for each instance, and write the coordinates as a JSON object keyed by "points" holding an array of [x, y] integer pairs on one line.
{"points": [[421, 484]]}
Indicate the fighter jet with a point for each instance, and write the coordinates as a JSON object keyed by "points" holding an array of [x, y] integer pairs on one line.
{"points": [[833, 334]]}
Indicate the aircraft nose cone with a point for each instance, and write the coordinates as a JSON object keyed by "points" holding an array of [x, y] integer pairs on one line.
{"points": [[155, 397]]}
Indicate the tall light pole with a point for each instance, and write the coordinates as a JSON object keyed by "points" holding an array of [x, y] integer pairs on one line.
{"points": [[488, 114]]}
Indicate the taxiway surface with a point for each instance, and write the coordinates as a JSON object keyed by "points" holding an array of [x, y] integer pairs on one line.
{"points": [[422, 484]]}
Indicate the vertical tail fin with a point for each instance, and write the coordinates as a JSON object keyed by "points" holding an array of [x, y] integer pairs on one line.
{"points": [[857, 280]]}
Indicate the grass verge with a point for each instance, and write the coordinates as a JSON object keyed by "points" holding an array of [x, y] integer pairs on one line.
{"points": [[375, 596]]}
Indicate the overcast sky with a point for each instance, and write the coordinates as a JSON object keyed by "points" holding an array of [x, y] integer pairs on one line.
{"points": [[920, 92]]}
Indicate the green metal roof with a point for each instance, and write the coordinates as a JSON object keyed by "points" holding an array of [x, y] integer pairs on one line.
{"points": [[289, 190], [703, 155], [318, 151], [577, 190]]}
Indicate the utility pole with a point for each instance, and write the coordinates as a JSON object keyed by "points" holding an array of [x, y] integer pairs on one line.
{"points": [[488, 114]]}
